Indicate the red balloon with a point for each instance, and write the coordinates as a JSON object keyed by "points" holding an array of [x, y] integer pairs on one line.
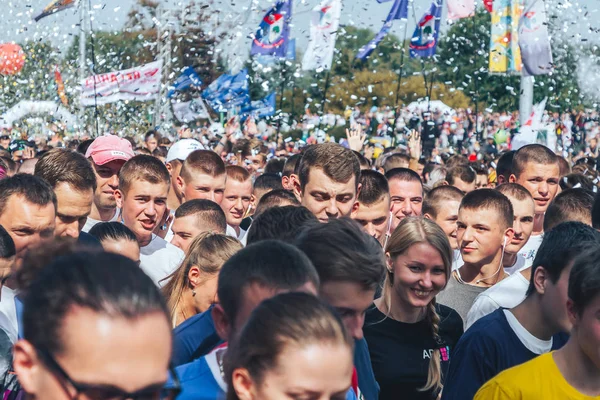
{"points": [[12, 59]]}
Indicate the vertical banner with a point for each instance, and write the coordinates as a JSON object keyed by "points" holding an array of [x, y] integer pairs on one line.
{"points": [[505, 56], [534, 40], [425, 38], [60, 87], [324, 24], [272, 36]]}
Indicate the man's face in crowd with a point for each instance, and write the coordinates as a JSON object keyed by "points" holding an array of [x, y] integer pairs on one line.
{"points": [[28, 224], [351, 301], [255, 164], [236, 200], [151, 143], [407, 200], [481, 181], [107, 180], [73, 208], [326, 198], [587, 329], [446, 218], [463, 186], [542, 182], [142, 207], [374, 218], [5, 142], [203, 186], [174, 168], [186, 229], [555, 297], [524, 213], [111, 353], [479, 235]]}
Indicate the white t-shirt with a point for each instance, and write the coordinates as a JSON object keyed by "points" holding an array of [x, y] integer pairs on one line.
{"points": [[533, 344], [530, 249], [231, 232], [8, 313], [91, 222], [520, 264], [159, 259], [457, 260], [507, 293]]}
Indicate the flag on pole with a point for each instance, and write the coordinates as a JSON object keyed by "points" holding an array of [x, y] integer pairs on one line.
{"points": [[60, 87], [399, 11], [505, 55], [324, 23], [260, 108], [425, 38], [534, 41], [53, 7], [228, 91], [458, 9], [488, 4], [186, 79], [190, 110], [529, 131], [272, 36]]}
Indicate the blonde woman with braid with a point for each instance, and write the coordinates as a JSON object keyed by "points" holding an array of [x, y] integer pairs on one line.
{"points": [[410, 337], [192, 288]]}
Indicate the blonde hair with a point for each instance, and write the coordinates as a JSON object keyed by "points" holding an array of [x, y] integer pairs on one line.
{"points": [[208, 251], [412, 231]]}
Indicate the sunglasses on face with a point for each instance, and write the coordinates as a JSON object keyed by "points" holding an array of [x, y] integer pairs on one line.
{"points": [[109, 392]]}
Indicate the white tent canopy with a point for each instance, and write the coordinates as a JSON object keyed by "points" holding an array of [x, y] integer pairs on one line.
{"points": [[433, 105], [27, 107]]}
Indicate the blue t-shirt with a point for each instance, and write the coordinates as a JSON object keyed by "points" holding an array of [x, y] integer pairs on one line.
{"points": [[487, 348], [194, 338], [367, 384]]}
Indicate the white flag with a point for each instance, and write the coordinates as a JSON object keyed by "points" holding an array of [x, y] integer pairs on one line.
{"points": [[323, 32], [190, 110], [139, 83], [534, 41], [529, 131]]}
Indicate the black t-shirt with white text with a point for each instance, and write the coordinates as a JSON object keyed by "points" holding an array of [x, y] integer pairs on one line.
{"points": [[400, 352]]}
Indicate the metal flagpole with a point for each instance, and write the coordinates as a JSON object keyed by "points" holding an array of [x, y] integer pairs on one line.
{"points": [[526, 99], [324, 101], [401, 64], [82, 52]]}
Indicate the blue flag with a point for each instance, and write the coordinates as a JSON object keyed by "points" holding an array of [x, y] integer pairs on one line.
{"points": [[425, 38], [272, 36], [187, 79], [260, 108], [399, 11], [228, 91]]}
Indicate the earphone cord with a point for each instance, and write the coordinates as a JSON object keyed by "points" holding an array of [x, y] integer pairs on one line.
{"points": [[387, 234], [460, 280]]}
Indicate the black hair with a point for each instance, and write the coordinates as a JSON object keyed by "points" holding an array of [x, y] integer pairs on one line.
{"points": [[341, 251], [275, 166], [504, 166], [268, 182], [275, 198], [289, 167], [404, 175], [374, 187], [490, 199], [570, 205], [596, 212], [282, 223], [7, 244], [584, 281], [363, 161], [83, 146], [574, 181], [463, 172], [560, 246], [33, 188], [106, 283], [269, 263], [205, 210], [112, 231]]}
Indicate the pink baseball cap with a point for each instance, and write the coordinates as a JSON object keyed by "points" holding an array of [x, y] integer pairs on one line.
{"points": [[105, 149]]}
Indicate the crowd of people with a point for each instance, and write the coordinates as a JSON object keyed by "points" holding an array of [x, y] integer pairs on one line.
{"points": [[223, 266]]}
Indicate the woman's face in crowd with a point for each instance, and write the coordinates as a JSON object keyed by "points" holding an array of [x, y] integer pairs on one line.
{"points": [[419, 274], [315, 371]]}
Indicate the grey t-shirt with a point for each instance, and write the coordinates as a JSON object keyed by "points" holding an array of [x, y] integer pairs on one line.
{"points": [[459, 296]]}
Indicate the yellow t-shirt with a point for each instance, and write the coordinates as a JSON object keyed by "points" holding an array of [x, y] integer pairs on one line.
{"points": [[538, 379]]}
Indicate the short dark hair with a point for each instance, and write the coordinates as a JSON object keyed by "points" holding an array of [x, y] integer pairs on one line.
{"points": [[373, 187], [490, 199], [337, 162], [456, 160], [112, 231], [395, 160], [436, 198], [103, 282], [504, 166], [584, 281], [404, 175], [559, 248], [152, 133], [596, 213], [269, 263], [290, 165], [66, 166], [570, 205], [463, 172], [7, 244], [341, 251], [143, 168], [573, 181], [268, 182], [275, 166], [83, 146], [202, 161], [276, 198], [33, 188], [532, 153], [207, 211], [282, 223], [514, 190], [364, 163]]}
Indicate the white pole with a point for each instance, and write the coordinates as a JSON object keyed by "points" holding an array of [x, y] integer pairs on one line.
{"points": [[82, 52], [526, 99]]}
